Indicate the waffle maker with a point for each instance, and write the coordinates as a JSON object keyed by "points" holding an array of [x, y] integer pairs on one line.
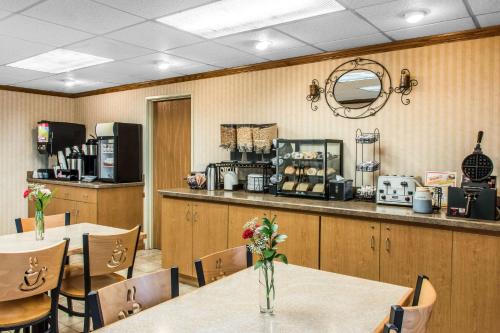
{"points": [[477, 196]]}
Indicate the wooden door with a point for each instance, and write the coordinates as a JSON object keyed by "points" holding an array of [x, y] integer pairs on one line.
{"points": [[86, 212], [407, 251], [209, 228], [238, 216], [350, 246], [171, 152], [59, 206], [302, 244], [177, 235], [476, 283]]}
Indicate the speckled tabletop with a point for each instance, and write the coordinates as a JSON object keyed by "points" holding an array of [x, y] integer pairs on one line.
{"points": [[307, 300], [350, 208]]}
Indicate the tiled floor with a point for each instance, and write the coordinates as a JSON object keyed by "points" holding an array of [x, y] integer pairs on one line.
{"points": [[147, 261]]}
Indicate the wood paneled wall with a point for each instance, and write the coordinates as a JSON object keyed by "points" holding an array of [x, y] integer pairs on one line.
{"points": [[457, 95], [19, 113]]}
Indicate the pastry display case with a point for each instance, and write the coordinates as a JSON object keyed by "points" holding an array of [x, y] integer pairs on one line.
{"points": [[305, 167]]}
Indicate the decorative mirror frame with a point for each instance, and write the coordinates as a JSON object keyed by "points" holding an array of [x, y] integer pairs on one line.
{"points": [[369, 110]]}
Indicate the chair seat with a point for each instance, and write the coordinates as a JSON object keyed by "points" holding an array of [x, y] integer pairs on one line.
{"points": [[73, 285], [24, 311]]}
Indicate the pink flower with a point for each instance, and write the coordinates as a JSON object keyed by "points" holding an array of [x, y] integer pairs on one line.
{"points": [[248, 233], [26, 193]]}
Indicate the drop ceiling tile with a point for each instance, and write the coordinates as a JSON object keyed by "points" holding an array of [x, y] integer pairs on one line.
{"points": [[488, 20], [99, 74], [134, 72], [484, 6], [362, 3], [154, 36], [16, 5], [293, 52], [4, 14], [82, 14], [109, 48], [13, 49], [196, 69], [34, 30], [390, 16], [11, 75], [246, 41], [329, 27], [153, 8], [215, 54], [56, 83], [353, 42], [433, 29], [175, 63]]}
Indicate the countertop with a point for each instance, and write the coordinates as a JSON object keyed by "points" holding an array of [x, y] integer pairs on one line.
{"points": [[350, 208], [94, 184]]}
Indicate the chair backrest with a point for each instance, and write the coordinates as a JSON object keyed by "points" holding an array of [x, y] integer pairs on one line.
{"points": [[104, 254], [25, 274], [219, 264], [123, 299], [414, 319], [51, 221]]}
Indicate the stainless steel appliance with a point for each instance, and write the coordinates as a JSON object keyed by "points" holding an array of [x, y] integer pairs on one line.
{"points": [[211, 177], [340, 189], [396, 190], [119, 152], [54, 136]]}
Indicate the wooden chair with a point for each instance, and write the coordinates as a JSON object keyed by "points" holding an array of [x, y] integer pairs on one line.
{"points": [[123, 299], [217, 265], [51, 221], [26, 278], [103, 256], [413, 319]]}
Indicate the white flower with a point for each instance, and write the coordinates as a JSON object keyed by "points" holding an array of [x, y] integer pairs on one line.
{"points": [[45, 191]]}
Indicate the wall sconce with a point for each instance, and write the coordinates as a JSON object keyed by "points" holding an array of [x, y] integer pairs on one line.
{"points": [[315, 92], [406, 84]]}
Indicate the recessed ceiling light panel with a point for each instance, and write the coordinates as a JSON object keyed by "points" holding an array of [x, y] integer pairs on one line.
{"points": [[226, 17], [263, 45], [414, 16], [59, 61]]}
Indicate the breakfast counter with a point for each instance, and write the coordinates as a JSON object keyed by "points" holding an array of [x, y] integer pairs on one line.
{"points": [[93, 185], [349, 208]]}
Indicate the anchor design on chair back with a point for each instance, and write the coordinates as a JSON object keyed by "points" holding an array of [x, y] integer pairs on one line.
{"points": [[33, 276], [131, 307], [119, 255]]}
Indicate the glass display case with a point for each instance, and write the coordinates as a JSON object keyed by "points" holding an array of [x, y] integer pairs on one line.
{"points": [[305, 167]]}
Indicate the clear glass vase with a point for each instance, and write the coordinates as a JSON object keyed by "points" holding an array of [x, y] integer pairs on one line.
{"points": [[266, 287], [39, 225]]}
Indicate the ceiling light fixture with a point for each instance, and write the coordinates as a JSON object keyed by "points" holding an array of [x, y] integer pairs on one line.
{"points": [[162, 65], [226, 17], [69, 83], [263, 45], [59, 61], [414, 16]]}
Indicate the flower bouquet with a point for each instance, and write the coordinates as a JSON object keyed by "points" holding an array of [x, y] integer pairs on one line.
{"points": [[41, 196], [263, 241]]}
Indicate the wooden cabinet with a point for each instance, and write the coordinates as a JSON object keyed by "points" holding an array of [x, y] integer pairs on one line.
{"points": [[57, 206], [407, 251], [86, 212], [350, 246], [302, 245], [476, 283], [238, 216], [191, 230]]}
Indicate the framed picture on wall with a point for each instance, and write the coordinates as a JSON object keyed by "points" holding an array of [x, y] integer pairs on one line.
{"points": [[441, 179]]}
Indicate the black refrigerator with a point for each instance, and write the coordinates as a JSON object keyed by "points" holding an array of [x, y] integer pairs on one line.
{"points": [[119, 152]]}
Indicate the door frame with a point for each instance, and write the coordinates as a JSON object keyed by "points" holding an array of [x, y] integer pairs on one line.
{"points": [[148, 146]]}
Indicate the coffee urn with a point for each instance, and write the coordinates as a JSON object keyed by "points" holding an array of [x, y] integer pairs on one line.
{"points": [[90, 157]]}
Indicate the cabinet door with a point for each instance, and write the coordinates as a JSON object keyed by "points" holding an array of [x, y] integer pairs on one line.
{"points": [[302, 244], [86, 212], [238, 216], [476, 283], [177, 235], [209, 228], [407, 251], [350, 246], [59, 206]]}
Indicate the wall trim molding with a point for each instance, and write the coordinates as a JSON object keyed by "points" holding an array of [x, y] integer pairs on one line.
{"points": [[354, 52]]}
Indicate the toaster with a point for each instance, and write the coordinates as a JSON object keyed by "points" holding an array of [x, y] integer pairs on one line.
{"points": [[396, 190]]}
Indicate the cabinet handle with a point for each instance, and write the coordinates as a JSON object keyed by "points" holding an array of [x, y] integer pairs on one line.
{"points": [[372, 242], [188, 211], [195, 217], [388, 244]]}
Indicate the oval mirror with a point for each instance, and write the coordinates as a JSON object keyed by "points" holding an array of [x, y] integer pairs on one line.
{"points": [[357, 88]]}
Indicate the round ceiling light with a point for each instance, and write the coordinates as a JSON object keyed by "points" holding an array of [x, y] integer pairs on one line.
{"points": [[263, 45], [69, 83], [162, 65], [414, 16]]}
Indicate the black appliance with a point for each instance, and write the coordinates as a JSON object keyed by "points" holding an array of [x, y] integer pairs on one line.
{"points": [[477, 197], [90, 157], [119, 152], [341, 189], [54, 136]]}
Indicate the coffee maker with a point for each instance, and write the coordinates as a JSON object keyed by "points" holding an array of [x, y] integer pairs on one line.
{"points": [[477, 196], [90, 157]]}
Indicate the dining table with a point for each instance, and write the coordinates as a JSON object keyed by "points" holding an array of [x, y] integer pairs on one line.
{"points": [[26, 241], [307, 300]]}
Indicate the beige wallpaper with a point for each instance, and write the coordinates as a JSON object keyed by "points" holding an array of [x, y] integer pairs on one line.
{"points": [[457, 95], [19, 113]]}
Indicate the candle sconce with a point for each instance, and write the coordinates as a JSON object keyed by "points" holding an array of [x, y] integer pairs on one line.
{"points": [[315, 92], [406, 85]]}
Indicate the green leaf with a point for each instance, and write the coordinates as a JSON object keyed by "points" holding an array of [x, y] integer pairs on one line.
{"points": [[280, 238], [282, 258], [268, 254], [258, 264], [275, 228]]}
